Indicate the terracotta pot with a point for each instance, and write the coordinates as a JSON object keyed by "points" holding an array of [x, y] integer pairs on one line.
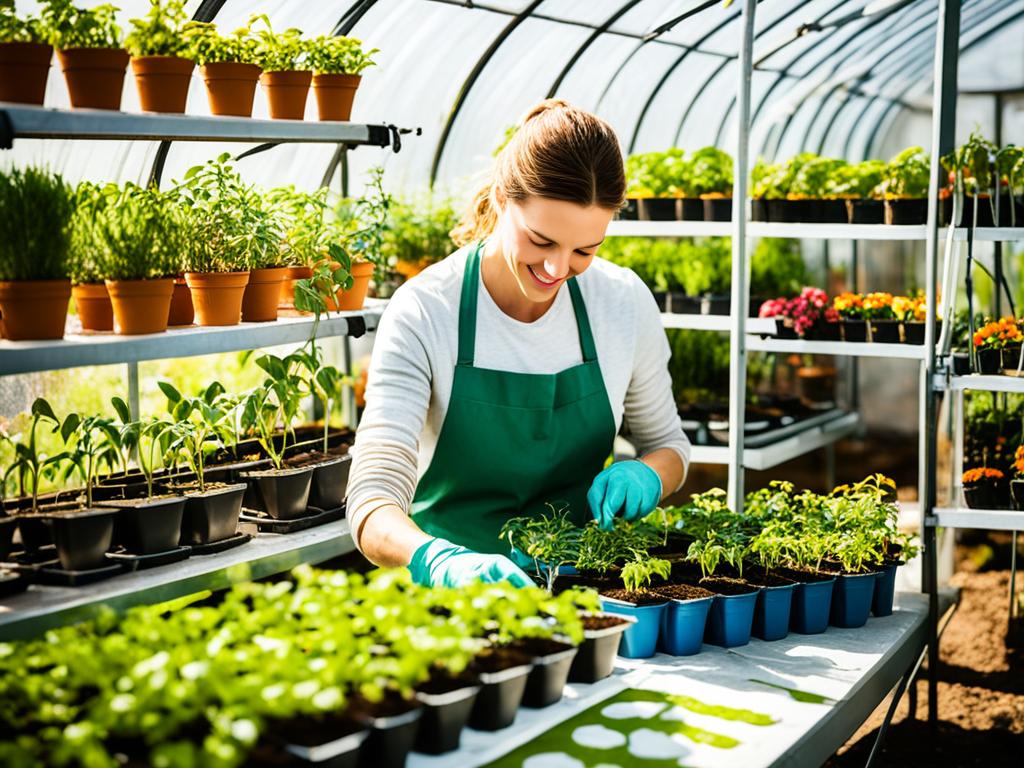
{"points": [[33, 309], [354, 297], [95, 76], [163, 82], [94, 307], [286, 93], [230, 87], [141, 306], [262, 294], [181, 312], [24, 68], [217, 296], [287, 300], [334, 95]]}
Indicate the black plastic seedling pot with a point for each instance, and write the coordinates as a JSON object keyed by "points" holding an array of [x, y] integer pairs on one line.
{"points": [[330, 481], [213, 515], [147, 526], [339, 753], [390, 739], [500, 696], [82, 537], [595, 658], [283, 493], [546, 682], [444, 717]]}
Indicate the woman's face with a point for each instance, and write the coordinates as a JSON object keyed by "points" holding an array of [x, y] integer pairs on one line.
{"points": [[544, 242]]}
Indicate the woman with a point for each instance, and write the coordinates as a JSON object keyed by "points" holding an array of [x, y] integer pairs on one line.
{"points": [[501, 375]]}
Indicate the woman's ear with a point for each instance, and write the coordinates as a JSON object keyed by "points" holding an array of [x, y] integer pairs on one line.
{"points": [[498, 200]]}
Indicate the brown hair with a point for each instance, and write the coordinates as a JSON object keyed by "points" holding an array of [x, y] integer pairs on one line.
{"points": [[558, 152]]}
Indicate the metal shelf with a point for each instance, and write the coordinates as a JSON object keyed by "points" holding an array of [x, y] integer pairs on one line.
{"points": [[619, 228], [714, 322], [983, 519], [990, 234], [986, 383], [837, 231], [40, 608], [107, 348], [846, 348], [17, 121]]}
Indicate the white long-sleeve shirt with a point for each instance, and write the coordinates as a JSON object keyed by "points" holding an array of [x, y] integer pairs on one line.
{"points": [[415, 353]]}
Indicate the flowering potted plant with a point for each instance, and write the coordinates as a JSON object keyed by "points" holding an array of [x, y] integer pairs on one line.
{"points": [[984, 488], [885, 328], [850, 307], [1017, 483], [813, 317], [991, 339], [912, 310], [776, 308]]}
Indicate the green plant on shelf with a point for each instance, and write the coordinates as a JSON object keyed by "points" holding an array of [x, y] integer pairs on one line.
{"points": [[279, 51], [29, 464], [159, 32], [339, 55], [970, 165], [276, 402], [711, 172], [777, 268], [90, 443], [550, 540], [20, 29], [145, 438], [36, 209], [363, 223], [637, 573], [330, 276], [206, 45], [69, 26], [200, 425], [907, 174], [417, 233], [304, 228], [659, 174], [856, 181], [812, 180], [323, 382]]}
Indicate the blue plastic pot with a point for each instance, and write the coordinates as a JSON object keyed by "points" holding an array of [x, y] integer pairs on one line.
{"points": [[771, 614], [730, 620], [682, 626], [640, 640], [812, 602], [851, 599], [885, 588]]}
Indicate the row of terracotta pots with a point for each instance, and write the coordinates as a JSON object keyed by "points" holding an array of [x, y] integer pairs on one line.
{"points": [[37, 309], [95, 79]]}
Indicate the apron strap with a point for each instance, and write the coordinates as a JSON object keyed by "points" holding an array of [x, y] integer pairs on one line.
{"points": [[468, 304]]}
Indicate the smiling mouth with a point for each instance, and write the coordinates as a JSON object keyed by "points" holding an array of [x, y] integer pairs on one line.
{"points": [[546, 283]]}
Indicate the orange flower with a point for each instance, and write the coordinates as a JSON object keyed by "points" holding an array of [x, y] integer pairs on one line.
{"points": [[1018, 461], [998, 334], [978, 474]]}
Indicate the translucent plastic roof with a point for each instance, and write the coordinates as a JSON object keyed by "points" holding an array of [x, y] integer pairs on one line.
{"points": [[831, 76]]}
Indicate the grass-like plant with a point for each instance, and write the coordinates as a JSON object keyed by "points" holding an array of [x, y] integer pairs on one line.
{"points": [[551, 541], [29, 464], [36, 207]]}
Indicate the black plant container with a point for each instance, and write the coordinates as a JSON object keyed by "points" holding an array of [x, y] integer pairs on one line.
{"points": [[758, 209], [865, 211], [834, 212], [989, 361], [344, 752], [913, 333], [444, 717], [659, 209], [595, 658], [390, 740], [981, 495], [211, 516], [283, 493], [885, 331], [1017, 493], [546, 682], [82, 537], [784, 330], [717, 208], [7, 526], [144, 527], [630, 211], [823, 331], [35, 532], [855, 330], [716, 304], [912, 210], [1010, 360], [681, 304], [499, 698], [691, 209], [961, 362], [330, 482], [661, 299], [795, 211]]}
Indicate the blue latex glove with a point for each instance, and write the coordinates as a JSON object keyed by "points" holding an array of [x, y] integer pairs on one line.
{"points": [[629, 488], [439, 563]]}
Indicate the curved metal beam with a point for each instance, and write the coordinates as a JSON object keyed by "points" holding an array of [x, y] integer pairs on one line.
{"points": [[578, 54], [470, 81], [351, 17]]}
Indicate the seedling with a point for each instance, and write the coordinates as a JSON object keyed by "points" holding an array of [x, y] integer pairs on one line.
{"points": [[146, 438], [550, 540], [29, 464], [199, 424], [160, 32], [276, 401], [324, 383], [90, 441], [637, 573], [601, 550]]}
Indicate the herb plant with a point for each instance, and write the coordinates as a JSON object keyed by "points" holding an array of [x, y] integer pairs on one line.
{"points": [[637, 574], [19, 29], [30, 465], [304, 228], [206, 45], [90, 442], [36, 208], [200, 425], [551, 541], [72, 27], [160, 33], [279, 51], [364, 224], [907, 174], [324, 382], [711, 172], [276, 401], [339, 55]]}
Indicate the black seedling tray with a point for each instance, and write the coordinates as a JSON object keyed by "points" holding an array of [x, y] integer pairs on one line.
{"points": [[11, 583], [139, 562], [44, 556], [57, 577], [219, 546], [264, 523]]}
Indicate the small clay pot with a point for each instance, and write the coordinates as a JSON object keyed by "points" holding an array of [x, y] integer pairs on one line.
{"points": [[95, 76], [354, 298], [181, 311], [230, 87], [24, 69], [33, 309], [141, 306], [291, 275], [334, 95], [217, 296], [286, 93], [163, 82], [262, 294], [94, 308]]}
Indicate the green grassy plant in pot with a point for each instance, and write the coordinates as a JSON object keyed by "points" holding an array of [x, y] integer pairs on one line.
{"points": [[90, 52], [228, 64], [338, 63], [970, 167], [29, 465], [36, 209], [286, 76], [283, 490], [775, 185], [92, 302], [711, 180], [227, 227], [905, 187], [25, 55], [199, 425], [161, 59]]}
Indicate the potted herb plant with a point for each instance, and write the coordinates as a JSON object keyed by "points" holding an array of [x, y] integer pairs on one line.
{"points": [[761, 182], [36, 208], [850, 307], [1009, 163], [970, 167], [88, 290], [286, 71], [90, 52], [634, 599], [905, 185], [338, 63], [25, 56], [267, 270], [855, 184], [984, 488], [882, 320], [228, 64], [809, 191], [161, 58], [363, 228], [711, 181]]}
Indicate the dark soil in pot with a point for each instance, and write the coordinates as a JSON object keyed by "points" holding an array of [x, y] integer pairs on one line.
{"points": [[595, 658], [283, 493], [147, 526], [447, 703], [330, 478], [82, 537], [393, 723], [855, 330], [638, 597], [212, 515], [551, 663], [865, 211], [503, 673], [683, 592], [724, 585]]}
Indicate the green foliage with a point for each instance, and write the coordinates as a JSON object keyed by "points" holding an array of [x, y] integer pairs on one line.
{"points": [[276, 402], [856, 180], [339, 55], [206, 45], [637, 574], [364, 221], [601, 550], [720, 535], [279, 51], [69, 26], [36, 207], [91, 442], [906, 174], [199, 426], [30, 464], [775, 181], [418, 230], [19, 29], [699, 365], [550, 541], [126, 233], [971, 163], [777, 268], [711, 172], [304, 227], [659, 174], [813, 178], [160, 33]]}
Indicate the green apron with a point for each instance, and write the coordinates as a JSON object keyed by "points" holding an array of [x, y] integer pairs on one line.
{"points": [[511, 442]]}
